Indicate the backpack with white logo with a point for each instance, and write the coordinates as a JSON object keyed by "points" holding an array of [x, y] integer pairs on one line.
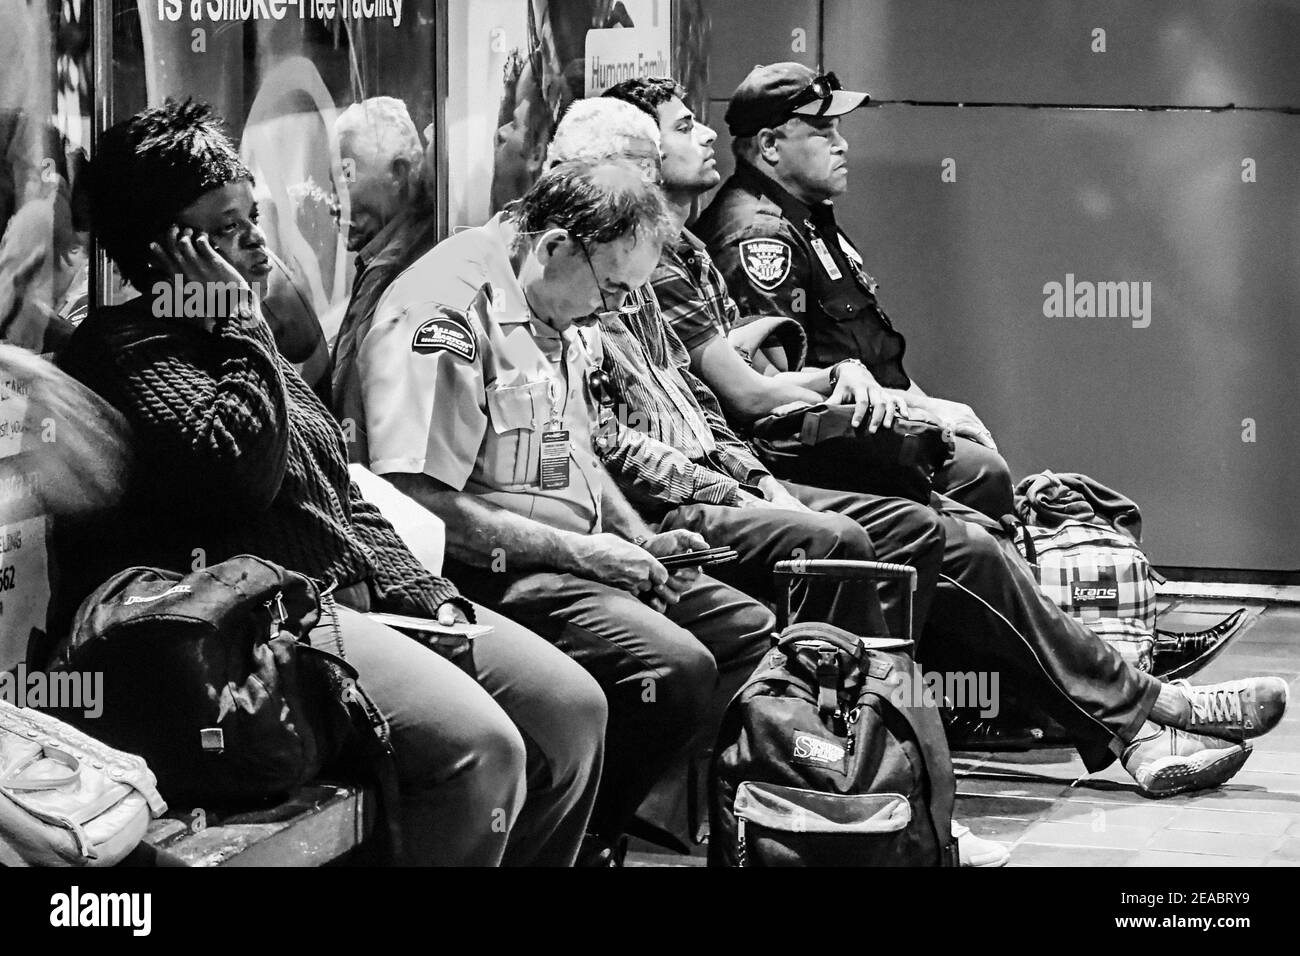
{"points": [[210, 678], [1098, 576], [824, 758]]}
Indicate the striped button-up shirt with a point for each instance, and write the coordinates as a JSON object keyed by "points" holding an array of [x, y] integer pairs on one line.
{"points": [[692, 293], [672, 444]]}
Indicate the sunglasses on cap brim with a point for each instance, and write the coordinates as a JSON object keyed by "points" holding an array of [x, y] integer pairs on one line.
{"points": [[820, 88]]}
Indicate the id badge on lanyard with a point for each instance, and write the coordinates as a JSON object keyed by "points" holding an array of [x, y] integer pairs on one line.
{"points": [[824, 254], [555, 444]]}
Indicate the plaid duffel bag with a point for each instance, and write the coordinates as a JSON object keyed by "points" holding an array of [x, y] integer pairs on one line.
{"points": [[1098, 576]]}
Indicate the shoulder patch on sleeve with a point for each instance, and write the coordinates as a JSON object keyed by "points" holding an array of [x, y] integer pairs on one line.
{"points": [[765, 261], [449, 332]]}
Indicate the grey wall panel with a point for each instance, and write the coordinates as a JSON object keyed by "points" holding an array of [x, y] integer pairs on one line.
{"points": [[748, 32], [1158, 52], [1106, 196]]}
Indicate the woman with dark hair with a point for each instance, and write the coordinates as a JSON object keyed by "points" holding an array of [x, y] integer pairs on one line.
{"points": [[235, 454]]}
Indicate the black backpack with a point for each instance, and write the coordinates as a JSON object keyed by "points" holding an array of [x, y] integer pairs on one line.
{"points": [[210, 679], [824, 760]]}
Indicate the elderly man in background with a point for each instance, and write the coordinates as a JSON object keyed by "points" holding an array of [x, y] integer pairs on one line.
{"points": [[392, 222]]}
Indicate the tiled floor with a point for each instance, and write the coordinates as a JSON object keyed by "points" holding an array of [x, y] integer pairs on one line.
{"points": [[1044, 808], [1037, 804]]}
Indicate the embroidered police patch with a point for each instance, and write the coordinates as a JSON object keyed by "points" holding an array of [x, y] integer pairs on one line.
{"points": [[447, 333], [765, 261]]}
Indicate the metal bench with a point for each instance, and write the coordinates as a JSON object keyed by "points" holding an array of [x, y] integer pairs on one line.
{"points": [[321, 823]]}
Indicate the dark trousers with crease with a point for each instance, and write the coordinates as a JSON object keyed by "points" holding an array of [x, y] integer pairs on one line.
{"points": [[841, 526], [988, 613], [502, 770], [977, 477], [662, 673]]}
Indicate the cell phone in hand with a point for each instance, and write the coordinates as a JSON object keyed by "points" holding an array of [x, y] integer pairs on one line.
{"points": [[698, 559]]}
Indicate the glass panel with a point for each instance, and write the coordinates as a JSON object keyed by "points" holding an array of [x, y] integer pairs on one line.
{"points": [[281, 84], [44, 128], [45, 119]]}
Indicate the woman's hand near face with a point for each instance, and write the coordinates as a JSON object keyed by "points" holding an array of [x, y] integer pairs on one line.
{"points": [[183, 251]]}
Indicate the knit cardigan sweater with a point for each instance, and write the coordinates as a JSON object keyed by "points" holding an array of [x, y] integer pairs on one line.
{"points": [[234, 455]]}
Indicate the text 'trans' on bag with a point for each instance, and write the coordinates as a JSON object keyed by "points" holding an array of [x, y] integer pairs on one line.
{"points": [[1098, 576]]}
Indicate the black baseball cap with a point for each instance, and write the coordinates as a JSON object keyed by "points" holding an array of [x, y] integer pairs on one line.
{"points": [[772, 94]]}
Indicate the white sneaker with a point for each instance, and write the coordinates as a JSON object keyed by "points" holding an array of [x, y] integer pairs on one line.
{"points": [[1165, 760], [974, 851]]}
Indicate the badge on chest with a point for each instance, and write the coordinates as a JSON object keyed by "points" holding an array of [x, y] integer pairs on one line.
{"points": [[824, 257], [555, 459]]}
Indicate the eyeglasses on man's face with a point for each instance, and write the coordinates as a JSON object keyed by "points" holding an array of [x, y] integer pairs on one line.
{"points": [[624, 308]]}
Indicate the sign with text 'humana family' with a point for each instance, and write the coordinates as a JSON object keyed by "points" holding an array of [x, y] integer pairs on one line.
{"points": [[640, 48]]}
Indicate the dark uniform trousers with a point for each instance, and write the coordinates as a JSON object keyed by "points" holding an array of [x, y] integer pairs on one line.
{"points": [[663, 673], [978, 477], [977, 607]]}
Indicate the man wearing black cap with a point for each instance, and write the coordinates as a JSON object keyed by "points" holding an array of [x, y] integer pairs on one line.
{"points": [[771, 230]]}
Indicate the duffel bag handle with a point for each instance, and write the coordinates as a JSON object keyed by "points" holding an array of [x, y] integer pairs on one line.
{"points": [[17, 781], [839, 568], [817, 631]]}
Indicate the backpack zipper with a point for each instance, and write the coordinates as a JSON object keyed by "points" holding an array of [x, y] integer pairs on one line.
{"points": [[278, 614], [851, 738]]}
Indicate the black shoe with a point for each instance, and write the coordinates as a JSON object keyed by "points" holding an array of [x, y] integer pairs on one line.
{"points": [[1179, 655], [967, 731]]}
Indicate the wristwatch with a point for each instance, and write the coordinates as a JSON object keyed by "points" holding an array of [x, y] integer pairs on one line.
{"points": [[835, 369]]}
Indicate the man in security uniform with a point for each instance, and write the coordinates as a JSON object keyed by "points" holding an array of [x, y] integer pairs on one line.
{"points": [[771, 230], [481, 388]]}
